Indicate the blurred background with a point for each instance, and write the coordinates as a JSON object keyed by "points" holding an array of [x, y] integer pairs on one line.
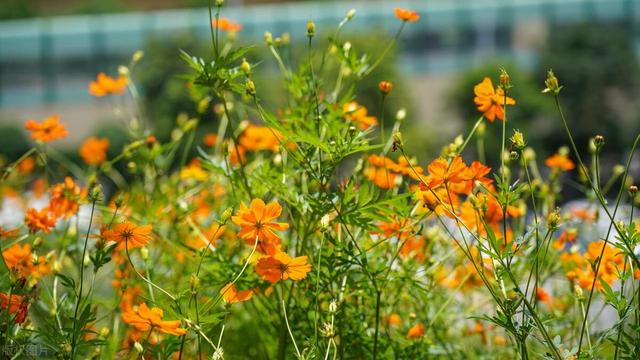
{"points": [[50, 50]]}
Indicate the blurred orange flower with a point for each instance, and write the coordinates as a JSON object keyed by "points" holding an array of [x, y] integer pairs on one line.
{"points": [[20, 259], [225, 24], [48, 130], [145, 319], [406, 14], [256, 138], [94, 150], [490, 101], [17, 304], [443, 172], [105, 85], [65, 198], [256, 223], [415, 331], [281, 266], [39, 220], [27, 165], [357, 113], [560, 162], [230, 294]]}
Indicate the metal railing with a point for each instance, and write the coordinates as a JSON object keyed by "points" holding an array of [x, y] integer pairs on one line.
{"points": [[48, 60]]}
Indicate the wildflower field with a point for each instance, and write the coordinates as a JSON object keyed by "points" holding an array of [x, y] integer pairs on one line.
{"points": [[307, 231]]}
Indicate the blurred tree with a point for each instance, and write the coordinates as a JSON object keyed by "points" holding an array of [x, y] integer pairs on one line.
{"points": [[15, 9], [598, 69]]}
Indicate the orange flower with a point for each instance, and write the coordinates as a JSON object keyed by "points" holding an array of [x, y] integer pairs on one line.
{"points": [[225, 24], [256, 223], [130, 234], [145, 319], [65, 198], [383, 171], [48, 130], [358, 114], [193, 171], [209, 140], [230, 294], [560, 162], [26, 166], [569, 235], [256, 138], [281, 266], [8, 233], [542, 295], [394, 320], [94, 150], [105, 85], [580, 269], [20, 260], [416, 331], [406, 14], [16, 304], [490, 101], [443, 172], [39, 220]]}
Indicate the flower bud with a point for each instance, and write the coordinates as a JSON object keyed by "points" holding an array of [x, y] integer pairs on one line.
{"points": [[553, 219], [137, 56], [245, 67], [333, 307], [219, 3], [268, 38], [617, 170], [150, 140], [385, 87], [517, 141], [397, 140], [598, 141], [311, 28], [505, 80], [226, 214], [123, 70], [633, 190], [194, 283], [285, 38], [351, 14], [401, 114], [138, 347], [579, 293], [514, 155], [250, 88], [551, 84], [144, 253]]}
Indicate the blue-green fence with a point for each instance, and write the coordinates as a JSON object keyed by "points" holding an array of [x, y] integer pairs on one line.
{"points": [[48, 60]]}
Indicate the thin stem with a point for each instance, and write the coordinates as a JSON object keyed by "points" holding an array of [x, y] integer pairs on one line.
{"points": [[84, 253]]}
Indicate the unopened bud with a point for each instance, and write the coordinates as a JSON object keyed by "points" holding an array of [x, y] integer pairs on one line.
{"points": [[333, 306], [385, 87], [226, 214], [137, 56], [123, 70], [633, 190], [219, 3], [505, 80], [138, 347], [579, 292], [551, 83], [144, 253], [268, 38], [517, 141], [351, 14], [553, 219], [194, 283], [401, 114], [598, 140], [514, 155], [311, 28], [250, 87], [245, 67]]}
